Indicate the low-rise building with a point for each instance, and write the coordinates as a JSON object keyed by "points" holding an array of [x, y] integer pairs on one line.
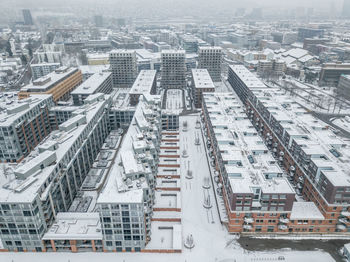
{"points": [[59, 84], [97, 83]]}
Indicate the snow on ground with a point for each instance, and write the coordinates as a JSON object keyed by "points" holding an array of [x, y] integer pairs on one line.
{"points": [[212, 242], [343, 123]]}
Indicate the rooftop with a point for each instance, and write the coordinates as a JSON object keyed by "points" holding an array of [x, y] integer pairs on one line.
{"points": [[47, 82], [75, 226], [24, 181], [144, 82], [202, 78], [92, 83]]}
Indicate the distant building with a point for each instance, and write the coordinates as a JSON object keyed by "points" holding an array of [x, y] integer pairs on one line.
{"points": [[173, 69], [40, 70], [210, 58], [304, 32], [27, 17], [201, 83], [331, 72], [343, 89], [124, 67], [98, 58], [98, 19], [59, 84]]}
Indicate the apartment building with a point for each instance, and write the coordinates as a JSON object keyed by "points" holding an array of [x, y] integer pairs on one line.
{"points": [[126, 202], [40, 70], [59, 84], [45, 183], [123, 67], [23, 124], [201, 83], [258, 196], [173, 71], [210, 58], [145, 83], [97, 83], [315, 158]]}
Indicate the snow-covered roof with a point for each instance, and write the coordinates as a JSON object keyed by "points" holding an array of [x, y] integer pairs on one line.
{"points": [[305, 211], [202, 79], [75, 226]]}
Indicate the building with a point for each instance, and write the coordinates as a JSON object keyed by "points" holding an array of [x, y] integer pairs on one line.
{"points": [[145, 83], [98, 19], [271, 68], [23, 124], [242, 80], [49, 57], [304, 32], [343, 89], [27, 17], [123, 67], [257, 196], [210, 58], [97, 58], [201, 83], [40, 70], [173, 70], [97, 83], [46, 182], [315, 158], [330, 73], [126, 202], [59, 84]]}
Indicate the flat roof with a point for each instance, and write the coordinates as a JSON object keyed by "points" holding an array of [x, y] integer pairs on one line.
{"points": [[249, 163], [305, 211], [144, 82], [50, 80], [92, 83], [247, 77], [25, 190], [75, 226], [202, 78], [12, 109]]}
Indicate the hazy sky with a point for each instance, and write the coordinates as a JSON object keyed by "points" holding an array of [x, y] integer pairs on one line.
{"points": [[130, 3], [148, 8]]}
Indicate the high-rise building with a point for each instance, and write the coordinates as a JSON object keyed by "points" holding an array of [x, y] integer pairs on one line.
{"points": [[27, 17], [98, 20], [173, 69], [210, 58], [124, 67], [346, 9]]}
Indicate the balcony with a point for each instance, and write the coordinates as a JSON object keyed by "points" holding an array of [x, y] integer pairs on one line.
{"points": [[341, 227], [248, 220], [343, 220], [345, 213], [282, 227], [247, 227], [284, 220]]}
